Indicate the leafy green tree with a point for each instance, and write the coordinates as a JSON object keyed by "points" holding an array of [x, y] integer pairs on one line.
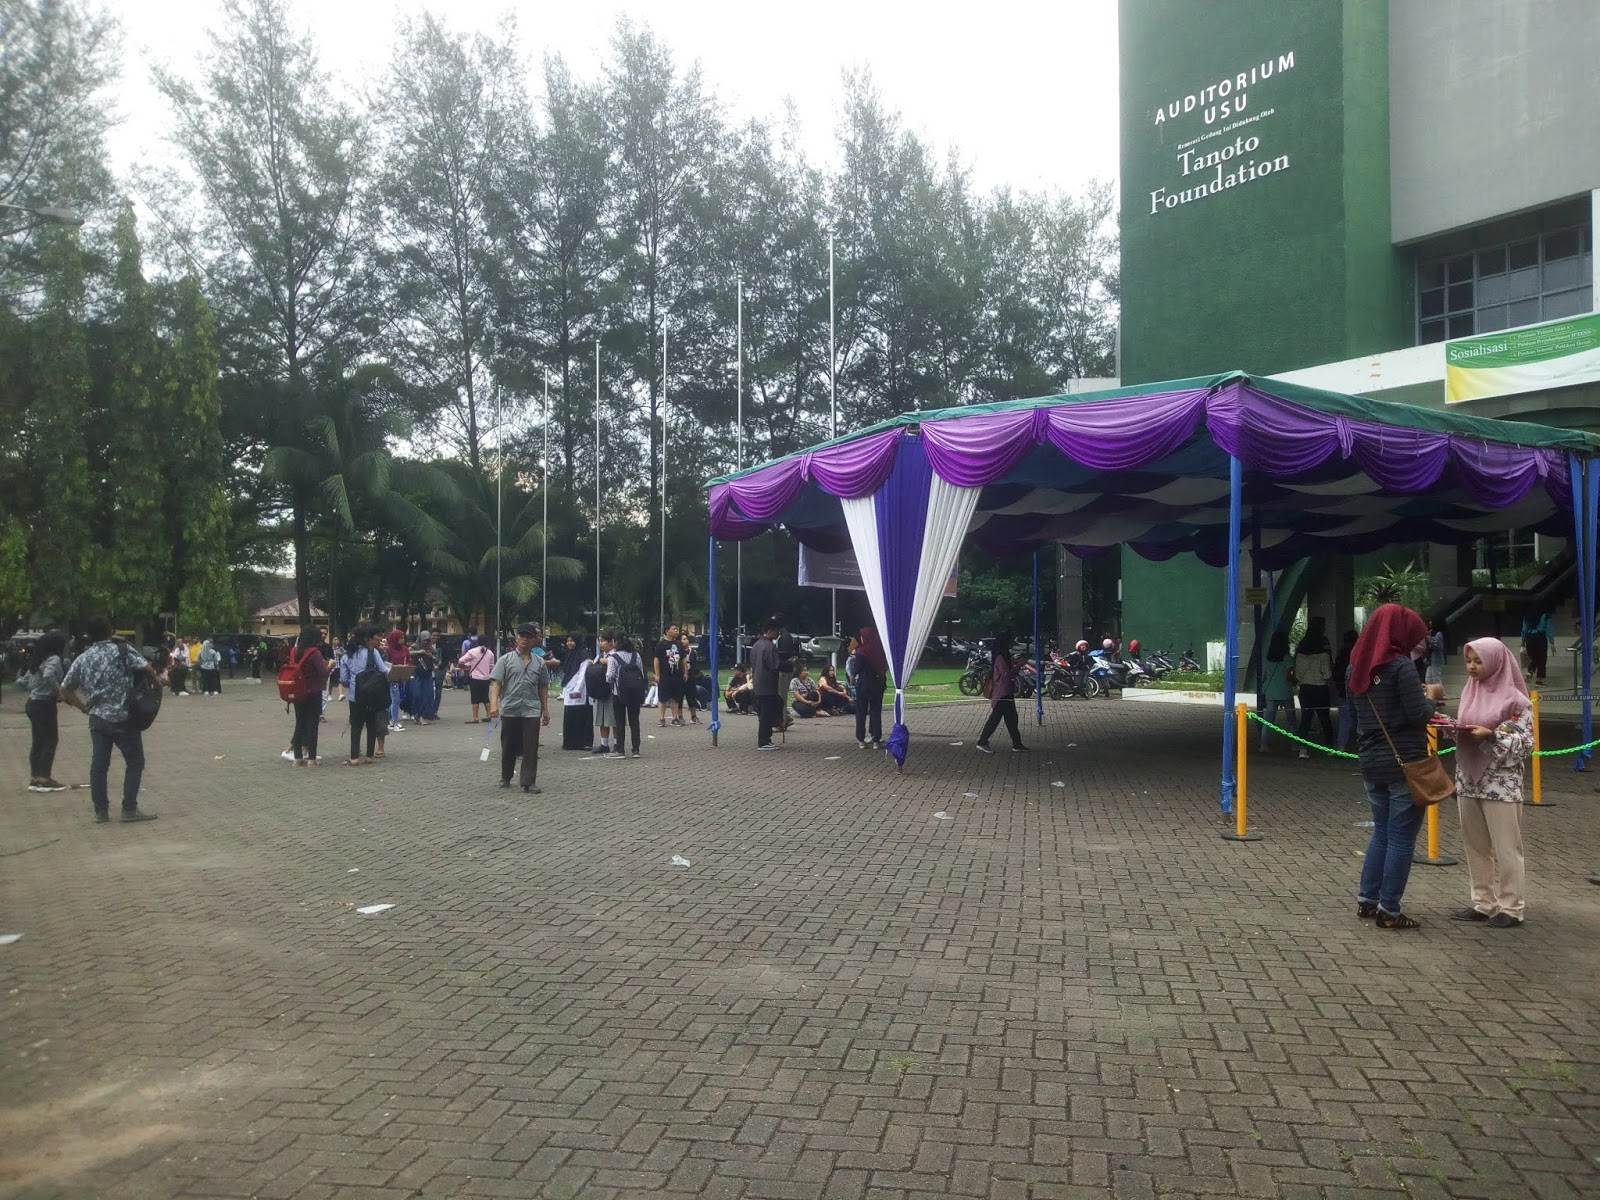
{"points": [[200, 585], [444, 109], [61, 558], [279, 163], [136, 554]]}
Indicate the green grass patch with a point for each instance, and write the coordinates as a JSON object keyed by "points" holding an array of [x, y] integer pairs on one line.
{"points": [[1189, 681]]}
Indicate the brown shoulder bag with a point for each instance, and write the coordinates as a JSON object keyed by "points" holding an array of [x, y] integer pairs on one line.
{"points": [[1426, 777]]}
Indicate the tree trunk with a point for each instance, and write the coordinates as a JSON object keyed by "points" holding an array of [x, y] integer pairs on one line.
{"points": [[302, 553]]}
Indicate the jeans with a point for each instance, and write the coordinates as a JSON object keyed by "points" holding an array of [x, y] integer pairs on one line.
{"points": [[1395, 821], [46, 736], [1347, 721], [307, 724], [102, 737], [397, 693], [424, 701], [1002, 710], [1279, 712]]}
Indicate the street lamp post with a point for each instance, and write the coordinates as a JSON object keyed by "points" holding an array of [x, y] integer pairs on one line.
{"points": [[43, 215]]}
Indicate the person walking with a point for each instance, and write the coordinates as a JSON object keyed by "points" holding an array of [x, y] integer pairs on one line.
{"points": [[689, 666], [43, 681], [477, 662], [396, 654], [872, 676], [99, 683], [1002, 697], [625, 674], [764, 683], [424, 693], [1391, 707], [307, 660], [1494, 740], [1313, 668], [1277, 687], [364, 675], [210, 664], [597, 685], [1538, 632], [519, 694], [178, 668]]}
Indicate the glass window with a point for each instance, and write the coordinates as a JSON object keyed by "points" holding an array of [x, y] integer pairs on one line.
{"points": [[1461, 269], [1460, 297], [1566, 304], [1492, 262], [1432, 331], [1432, 303], [1494, 290], [1430, 275], [1523, 283], [1492, 318], [1522, 312], [1561, 245], [1564, 273], [1461, 326], [1525, 254]]}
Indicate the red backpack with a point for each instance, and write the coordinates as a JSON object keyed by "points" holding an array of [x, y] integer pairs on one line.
{"points": [[293, 686]]}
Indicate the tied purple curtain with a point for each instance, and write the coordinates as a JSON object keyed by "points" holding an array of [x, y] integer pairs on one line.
{"points": [[743, 507], [900, 508]]}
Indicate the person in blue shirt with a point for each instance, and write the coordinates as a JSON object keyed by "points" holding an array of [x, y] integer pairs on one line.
{"points": [[367, 712]]}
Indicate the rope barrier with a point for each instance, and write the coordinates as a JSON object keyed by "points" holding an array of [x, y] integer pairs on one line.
{"points": [[1293, 737]]}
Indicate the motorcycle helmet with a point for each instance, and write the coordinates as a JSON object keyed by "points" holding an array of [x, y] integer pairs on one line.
{"points": [[1133, 647], [1108, 644], [1082, 646]]}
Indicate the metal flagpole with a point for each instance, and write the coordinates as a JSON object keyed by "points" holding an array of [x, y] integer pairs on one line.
{"points": [[738, 465], [833, 430], [597, 483], [544, 486], [665, 426], [499, 505]]}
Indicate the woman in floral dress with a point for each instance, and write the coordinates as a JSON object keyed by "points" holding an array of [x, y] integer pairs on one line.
{"points": [[1494, 739]]}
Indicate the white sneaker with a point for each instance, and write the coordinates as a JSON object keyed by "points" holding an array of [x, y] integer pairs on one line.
{"points": [[287, 756], [1305, 754], [397, 728]]}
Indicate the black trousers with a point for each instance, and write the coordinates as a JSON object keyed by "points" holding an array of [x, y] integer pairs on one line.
{"points": [[1314, 701], [1002, 710], [307, 722], [177, 676], [869, 707], [519, 738], [624, 715], [211, 681], [769, 716], [369, 719], [1538, 654], [46, 737]]}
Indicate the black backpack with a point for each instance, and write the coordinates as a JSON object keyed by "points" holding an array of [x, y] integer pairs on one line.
{"points": [[631, 687], [594, 681], [144, 692], [372, 686]]}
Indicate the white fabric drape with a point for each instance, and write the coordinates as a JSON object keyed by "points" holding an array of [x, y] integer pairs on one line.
{"points": [[861, 518], [950, 510]]}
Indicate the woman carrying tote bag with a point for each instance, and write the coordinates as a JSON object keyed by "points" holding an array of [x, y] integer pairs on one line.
{"points": [[1392, 712]]}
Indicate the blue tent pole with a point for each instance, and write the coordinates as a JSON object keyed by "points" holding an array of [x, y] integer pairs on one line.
{"points": [[1578, 472], [716, 683], [1255, 582], [1038, 654], [1591, 519], [1230, 661]]}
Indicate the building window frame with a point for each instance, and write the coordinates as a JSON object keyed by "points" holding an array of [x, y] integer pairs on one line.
{"points": [[1498, 285]]}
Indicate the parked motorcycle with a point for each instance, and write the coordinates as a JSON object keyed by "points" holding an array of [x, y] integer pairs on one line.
{"points": [[1114, 673]]}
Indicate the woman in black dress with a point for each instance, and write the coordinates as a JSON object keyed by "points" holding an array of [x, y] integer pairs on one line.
{"points": [[577, 714]]}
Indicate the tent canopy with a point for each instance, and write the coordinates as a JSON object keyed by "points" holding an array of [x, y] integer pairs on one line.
{"points": [[1148, 467]]}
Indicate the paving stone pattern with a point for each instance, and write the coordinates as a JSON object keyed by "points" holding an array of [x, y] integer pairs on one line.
{"points": [[1073, 992]]}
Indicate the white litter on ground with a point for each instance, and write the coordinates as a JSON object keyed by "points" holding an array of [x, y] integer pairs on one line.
{"points": [[958, 743], [353, 871], [970, 795], [1365, 825], [679, 860], [373, 908], [1058, 783], [7, 938], [943, 816], [831, 758]]}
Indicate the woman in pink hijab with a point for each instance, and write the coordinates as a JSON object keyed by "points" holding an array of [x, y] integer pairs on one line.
{"points": [[1494, 738]]}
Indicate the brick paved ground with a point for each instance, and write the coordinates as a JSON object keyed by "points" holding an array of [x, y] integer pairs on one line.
{"points": [[1075, 991]]}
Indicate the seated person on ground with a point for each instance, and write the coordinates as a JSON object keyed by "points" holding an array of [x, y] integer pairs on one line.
{"points": [[803, 696], [740, 692], [835, 699]]}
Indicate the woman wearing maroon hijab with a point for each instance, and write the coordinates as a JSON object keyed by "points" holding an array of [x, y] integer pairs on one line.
{"points": [[1388, 695]]}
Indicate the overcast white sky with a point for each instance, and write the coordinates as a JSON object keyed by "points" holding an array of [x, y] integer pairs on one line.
{"points": [[1026, 91]]}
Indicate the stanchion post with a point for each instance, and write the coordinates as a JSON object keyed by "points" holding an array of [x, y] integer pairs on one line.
{"points": [[1433, 859], [1538, 763], [1241, 725]]}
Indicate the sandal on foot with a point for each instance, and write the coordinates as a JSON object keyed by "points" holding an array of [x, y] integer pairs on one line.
{"points": [[1396, 921], [1366, 910]]}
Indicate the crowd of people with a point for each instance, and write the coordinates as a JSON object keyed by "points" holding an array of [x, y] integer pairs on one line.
{"points": [[1387, 682]]}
